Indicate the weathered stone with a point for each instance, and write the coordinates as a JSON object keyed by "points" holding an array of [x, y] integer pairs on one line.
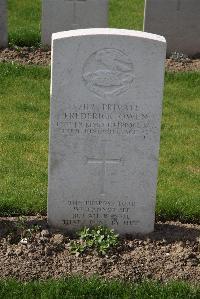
{"points": [[178, 21], [62, 15], [106, 102]]}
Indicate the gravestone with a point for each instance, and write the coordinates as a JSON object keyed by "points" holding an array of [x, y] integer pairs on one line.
{"points": [[62, 15], [3, 24], [178, 21], [106, 102]]}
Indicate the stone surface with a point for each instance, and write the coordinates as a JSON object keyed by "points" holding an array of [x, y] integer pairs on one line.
{"points": [[3, 24], [106, 102], [62, 15], [178, 21]]}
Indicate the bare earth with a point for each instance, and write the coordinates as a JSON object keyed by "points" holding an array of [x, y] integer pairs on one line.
{"points": [[37, 56], [171, 252]]}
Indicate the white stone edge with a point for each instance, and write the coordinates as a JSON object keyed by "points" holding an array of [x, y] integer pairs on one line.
{"points": [[107, 31]]}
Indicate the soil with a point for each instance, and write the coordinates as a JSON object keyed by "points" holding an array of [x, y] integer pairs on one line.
{"points": [[26, 55], [171, 252], [40, 56]]}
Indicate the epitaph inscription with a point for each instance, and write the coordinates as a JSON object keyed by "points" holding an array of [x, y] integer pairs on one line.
{"points": [[101, 212]]}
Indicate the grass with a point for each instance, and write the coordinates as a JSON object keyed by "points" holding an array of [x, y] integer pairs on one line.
{"points": [[24, 102], [25, 19], [126, 14], [24, 105], [24, 22], [178, 195], [72, 288]]}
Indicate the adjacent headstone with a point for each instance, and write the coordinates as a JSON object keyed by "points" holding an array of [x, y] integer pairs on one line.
{"points": [[62, 15], [178, 21], [3, 24], [106, 102]]}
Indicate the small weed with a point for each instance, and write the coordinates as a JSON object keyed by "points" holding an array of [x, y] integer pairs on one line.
{"points": [[100, 239], [21, 226], [31, 231], [23, 231]]}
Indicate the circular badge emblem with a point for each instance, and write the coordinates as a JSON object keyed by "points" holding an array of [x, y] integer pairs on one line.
{"points": [[108, 72]]}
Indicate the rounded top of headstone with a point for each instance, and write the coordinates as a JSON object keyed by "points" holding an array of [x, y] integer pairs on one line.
{"points": [[107, 31]]}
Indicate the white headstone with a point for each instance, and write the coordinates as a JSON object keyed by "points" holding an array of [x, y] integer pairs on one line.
{"points": [[178, 21], [3, 24], [62, 15], [106, 103]]}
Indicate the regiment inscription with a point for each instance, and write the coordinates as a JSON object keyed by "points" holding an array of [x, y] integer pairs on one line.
{"points": [[104, 119]]}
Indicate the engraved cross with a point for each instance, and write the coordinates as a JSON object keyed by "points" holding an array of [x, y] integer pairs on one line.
{"points": [[103, 162], [75, 24]]}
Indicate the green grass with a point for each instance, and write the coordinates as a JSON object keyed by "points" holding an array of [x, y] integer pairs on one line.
{"points": [[24, 104], [24, 22], [178, 195], [25, 19], [126, 14], [72, 288]]}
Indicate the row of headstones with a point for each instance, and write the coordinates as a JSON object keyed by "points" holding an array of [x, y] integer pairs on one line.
{"points": [[177, 20]]}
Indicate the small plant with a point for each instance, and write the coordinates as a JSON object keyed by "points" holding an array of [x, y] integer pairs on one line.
{"points": [[99, 238], [23, 230], [31, 231], [21, 226]]}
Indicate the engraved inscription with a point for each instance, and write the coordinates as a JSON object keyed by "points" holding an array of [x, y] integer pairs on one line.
{"points": [[108, 72], [101, 212], [105, 119]]}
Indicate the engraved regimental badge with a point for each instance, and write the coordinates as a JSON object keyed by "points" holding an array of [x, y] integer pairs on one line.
{"points": [[108, 72]]}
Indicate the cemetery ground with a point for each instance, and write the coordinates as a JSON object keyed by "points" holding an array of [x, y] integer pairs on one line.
{"points": [[25, 121], [39, 56], [171, 253]]}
